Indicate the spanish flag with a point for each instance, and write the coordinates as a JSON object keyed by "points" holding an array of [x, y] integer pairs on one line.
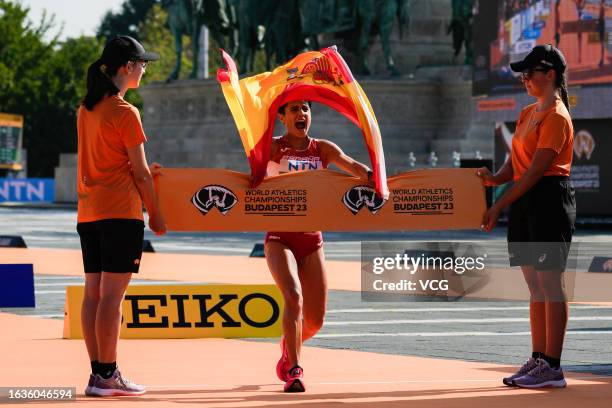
{"points": [[317, 76]]}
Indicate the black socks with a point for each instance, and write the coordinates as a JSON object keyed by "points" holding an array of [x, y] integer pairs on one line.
{"points": [[552, 362], [104, 370]]}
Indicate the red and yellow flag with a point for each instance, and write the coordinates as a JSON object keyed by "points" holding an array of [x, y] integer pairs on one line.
{"points": [[317, 76]]}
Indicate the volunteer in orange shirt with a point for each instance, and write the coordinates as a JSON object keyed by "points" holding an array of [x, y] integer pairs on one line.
{"points": [[113, 180], [542, 209]]}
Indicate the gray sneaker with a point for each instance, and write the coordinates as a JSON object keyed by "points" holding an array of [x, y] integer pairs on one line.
{"points": [[90, 384], [543, 375], [528, 366], [116, 385]]}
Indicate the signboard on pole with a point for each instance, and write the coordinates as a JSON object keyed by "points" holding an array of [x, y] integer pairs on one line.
{"points": [[11, 127]]}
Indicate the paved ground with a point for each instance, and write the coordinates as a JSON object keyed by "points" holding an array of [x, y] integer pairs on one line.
{"points": [[52, 228], [485, 331], [495, 332], [225, 373]]}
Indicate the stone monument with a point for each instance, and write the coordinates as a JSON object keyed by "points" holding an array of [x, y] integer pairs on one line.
{"points": [[189, 124], [426, 109]]}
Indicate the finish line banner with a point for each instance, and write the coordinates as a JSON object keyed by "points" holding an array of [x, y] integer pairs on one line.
{"points": [[221, 200], [188, 311]]}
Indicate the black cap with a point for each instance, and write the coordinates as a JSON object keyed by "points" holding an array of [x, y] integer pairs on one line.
{"points": [[123, 48], [545, 55]]}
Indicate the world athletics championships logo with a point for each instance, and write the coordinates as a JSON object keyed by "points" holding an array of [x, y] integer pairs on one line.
{"points": [[213, 196], [362, 196], [584, 144]]}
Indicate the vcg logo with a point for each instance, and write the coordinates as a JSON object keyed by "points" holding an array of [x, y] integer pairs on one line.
{"points": [[202, 310], [213, 196], [362, 196]]}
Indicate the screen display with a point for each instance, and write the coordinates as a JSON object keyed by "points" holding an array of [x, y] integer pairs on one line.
{"points": [[506, 30], [10, 139]]}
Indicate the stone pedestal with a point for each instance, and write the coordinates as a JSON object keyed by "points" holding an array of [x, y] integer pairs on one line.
{"points": [[65, 179], [188, 124], [425, 42]]}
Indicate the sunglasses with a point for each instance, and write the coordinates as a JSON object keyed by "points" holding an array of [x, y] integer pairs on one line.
{"points": [[528, 74], [143, 63]]}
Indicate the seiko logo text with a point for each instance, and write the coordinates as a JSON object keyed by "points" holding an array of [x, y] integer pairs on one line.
{"points": [[156, 307]]}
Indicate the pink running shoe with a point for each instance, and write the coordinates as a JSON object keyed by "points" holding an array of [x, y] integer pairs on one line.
{"points": [[295, 380], [281, 366]]}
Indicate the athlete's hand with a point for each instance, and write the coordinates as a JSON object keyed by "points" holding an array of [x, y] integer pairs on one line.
{"points": [[489, 220], [157, 223], [156, 169], [607, 266], [487, 177], [369, 179], [251, 180]]}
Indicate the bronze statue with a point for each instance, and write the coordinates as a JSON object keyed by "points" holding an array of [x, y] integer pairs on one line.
{"points": [[285, 27], [252, 14], [186, 17], [357, 19], [382, 13], [461, 28], [283, 37]]}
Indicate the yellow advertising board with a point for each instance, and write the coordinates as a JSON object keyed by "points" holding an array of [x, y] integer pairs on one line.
{"points": [[189, 311]]}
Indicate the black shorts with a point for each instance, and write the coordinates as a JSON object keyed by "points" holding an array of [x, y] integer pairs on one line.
{"points": [[541, 224], [113, 245]]}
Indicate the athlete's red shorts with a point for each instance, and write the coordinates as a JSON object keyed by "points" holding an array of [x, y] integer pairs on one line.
{"points": [[301, 244]]}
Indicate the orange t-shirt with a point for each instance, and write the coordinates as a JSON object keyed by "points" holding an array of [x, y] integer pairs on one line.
{"points": [[548, 129], [105, 185]]}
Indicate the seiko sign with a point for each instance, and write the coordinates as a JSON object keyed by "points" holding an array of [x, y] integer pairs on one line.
{"points": [[189, 311], [156, 307]]}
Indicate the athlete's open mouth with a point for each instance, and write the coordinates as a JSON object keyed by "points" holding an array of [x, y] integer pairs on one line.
{"points": [[300, 125]]}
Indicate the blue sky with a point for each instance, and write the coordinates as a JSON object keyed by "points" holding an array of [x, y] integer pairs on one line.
{"points": [[79, 16]]}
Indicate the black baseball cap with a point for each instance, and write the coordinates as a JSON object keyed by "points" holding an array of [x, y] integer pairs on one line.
{"points": [[545, 55], [123, 48]]}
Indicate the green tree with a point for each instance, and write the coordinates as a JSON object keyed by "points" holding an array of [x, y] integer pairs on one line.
{"points": [[64, 87], [127, 21], [43, 81], [155, 36]]}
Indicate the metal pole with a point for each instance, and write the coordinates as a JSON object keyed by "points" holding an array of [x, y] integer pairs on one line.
{"points": [[203, 54]]}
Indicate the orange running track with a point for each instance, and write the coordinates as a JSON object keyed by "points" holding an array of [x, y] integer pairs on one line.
{"points": [[240, 373]]}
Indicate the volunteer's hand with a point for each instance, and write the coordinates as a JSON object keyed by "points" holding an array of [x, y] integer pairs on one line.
{"points": [[489, 220], [487, 177], [156, 169], [157, 223]]}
